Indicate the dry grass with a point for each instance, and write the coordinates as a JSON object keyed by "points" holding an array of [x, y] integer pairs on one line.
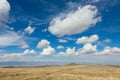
{"points": [[69, 72]]}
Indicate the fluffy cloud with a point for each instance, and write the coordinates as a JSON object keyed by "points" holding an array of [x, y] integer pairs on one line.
{"points": [[84, 40], [9, 38], [47, 51], [60, 47], [87, 49], [109, 51], [23, 44], [69, 52], [28, 52], [29, 30], [75, 21], [62, 40], [4, 12], [43, 44]]}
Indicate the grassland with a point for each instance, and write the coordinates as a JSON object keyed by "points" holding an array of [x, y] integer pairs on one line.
{"points": [[68, 72]]}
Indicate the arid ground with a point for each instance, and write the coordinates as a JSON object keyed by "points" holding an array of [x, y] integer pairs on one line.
{"points": [[67, 72]]}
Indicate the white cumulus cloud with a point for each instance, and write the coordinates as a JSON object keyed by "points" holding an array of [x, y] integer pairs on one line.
{"points": [[109, 51], [47, 51], [88, 48], [68, 52], [60, 47], [75, 21], [84, 40], [28, 52], [29, 30], [43, 44], [4, 12]]}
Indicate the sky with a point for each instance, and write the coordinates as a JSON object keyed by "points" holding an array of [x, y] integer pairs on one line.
{"points": [[74, 31]]}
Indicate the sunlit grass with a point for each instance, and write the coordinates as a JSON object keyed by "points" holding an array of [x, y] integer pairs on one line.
{"points": [[68, 72]]}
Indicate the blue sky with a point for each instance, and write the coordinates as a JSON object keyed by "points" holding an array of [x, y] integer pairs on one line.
{"points": [[85, 31]]}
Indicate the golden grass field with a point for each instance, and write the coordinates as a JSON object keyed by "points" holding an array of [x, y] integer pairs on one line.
{"points": [[68, 72]]}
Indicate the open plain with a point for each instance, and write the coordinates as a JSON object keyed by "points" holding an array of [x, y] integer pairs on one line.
{"points": [[66, 72]]}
